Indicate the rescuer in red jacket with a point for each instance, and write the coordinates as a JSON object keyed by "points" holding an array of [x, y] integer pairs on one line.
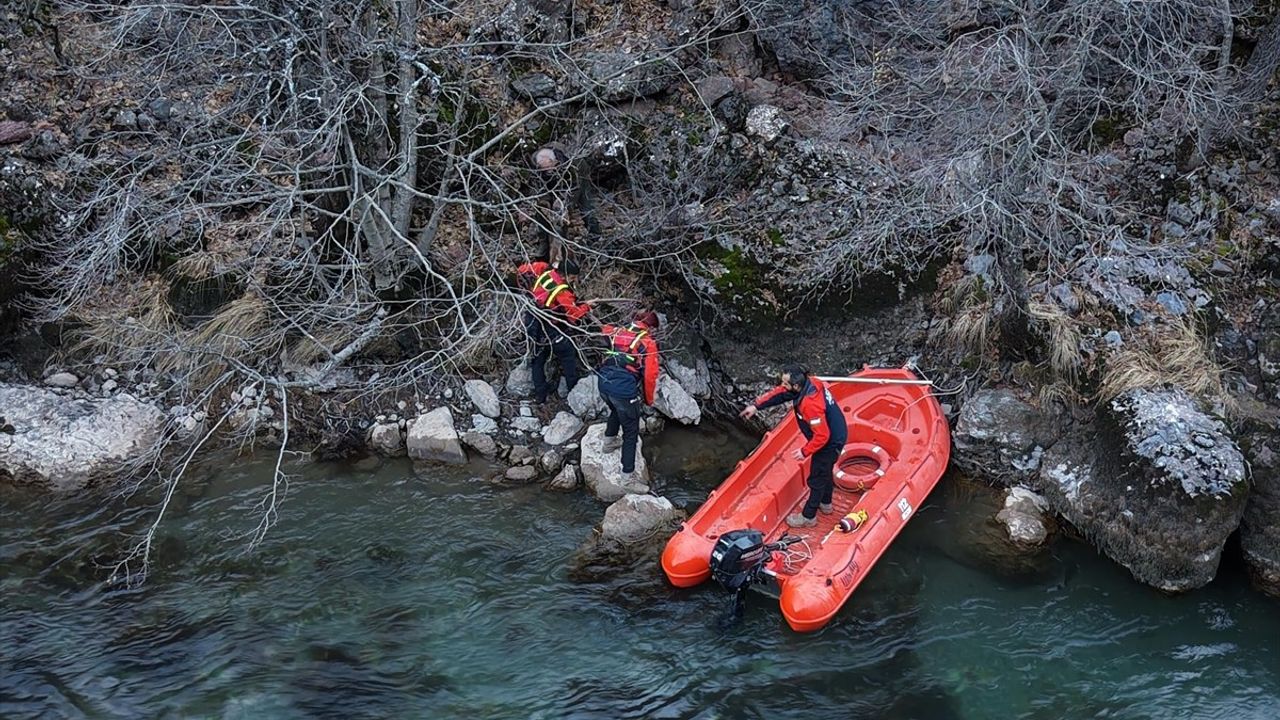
{"points": [[555, 310], [823, 425], [628, 374]]}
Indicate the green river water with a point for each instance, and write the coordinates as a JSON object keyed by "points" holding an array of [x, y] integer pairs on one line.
{"points": [[383, 594]]}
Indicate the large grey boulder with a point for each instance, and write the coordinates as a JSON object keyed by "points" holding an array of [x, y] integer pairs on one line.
{"points": [[1260, 526], [602, 472], [563, 428], [433, 438], [1000, 438], [483, 396], [675, 402], [584, 399], [65, 444], [1158, 490], [694, 376], [636, 518]]}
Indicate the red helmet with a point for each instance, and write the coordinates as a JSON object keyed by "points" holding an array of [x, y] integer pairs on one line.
{"points": [[649, 318]]}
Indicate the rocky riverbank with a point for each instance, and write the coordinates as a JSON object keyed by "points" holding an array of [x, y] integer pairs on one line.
{"points": [[1153, 479]]}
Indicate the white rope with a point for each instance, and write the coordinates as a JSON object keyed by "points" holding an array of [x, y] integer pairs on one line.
{"points": [[792, 560]]}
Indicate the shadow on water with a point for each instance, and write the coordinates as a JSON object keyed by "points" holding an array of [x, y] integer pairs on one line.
{"points": [[689, 462], [343, 682]]}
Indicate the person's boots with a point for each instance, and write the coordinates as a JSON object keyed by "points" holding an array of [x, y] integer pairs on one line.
{"points": [[800, 521], [825, 508], [611, 443]]}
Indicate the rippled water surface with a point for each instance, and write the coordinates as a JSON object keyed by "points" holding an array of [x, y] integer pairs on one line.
{"points": [[384, 595]]}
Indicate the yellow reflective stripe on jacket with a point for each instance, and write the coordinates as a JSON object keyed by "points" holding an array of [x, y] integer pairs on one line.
{"points": [[639, 336], [552, 297], [546, 282]]}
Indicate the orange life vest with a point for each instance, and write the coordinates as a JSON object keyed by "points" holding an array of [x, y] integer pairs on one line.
{"points": [[623, 343], [546, 287]]}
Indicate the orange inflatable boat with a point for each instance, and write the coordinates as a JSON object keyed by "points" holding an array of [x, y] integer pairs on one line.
{"points": [[898, 448]]}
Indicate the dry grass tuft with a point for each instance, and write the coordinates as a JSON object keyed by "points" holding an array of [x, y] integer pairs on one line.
{"points": [[1178, 356], [306, 351], [970, 329], [132, 325], [1063, 338], [241, 330], [199, 265], [1057, 393], [236, 322]]}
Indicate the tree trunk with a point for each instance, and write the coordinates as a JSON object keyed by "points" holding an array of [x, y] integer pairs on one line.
{"points": [[1251, 87]]}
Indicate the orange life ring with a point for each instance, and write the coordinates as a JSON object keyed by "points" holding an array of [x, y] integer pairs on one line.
{"points": [[860, 466]]}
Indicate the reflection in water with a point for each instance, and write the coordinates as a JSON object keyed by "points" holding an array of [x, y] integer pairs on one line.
{"points": [[383, 595]]}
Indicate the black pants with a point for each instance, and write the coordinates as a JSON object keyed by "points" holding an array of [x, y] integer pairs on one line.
{"points": [[821, 483], [624, 413], [547, 339]]}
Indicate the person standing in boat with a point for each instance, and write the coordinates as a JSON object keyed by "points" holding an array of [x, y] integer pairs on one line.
{"points": [[822, 424], [628, 374], [556, 311]]}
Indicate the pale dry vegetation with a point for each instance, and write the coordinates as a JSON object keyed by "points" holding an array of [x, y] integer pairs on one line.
{"points": [[1178, 355]]}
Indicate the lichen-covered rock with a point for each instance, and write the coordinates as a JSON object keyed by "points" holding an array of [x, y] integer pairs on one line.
{"points": [[1023, 517], [1269, 349], [484, 424], [1000, 438], [385, 439], [433, 438], [627, 76], [1169, 441], [1134, 492], [1260, 526], [563, 428], [672, 400], [535, 86], [766, 122], [66, 444], [484, 397], [551, 461], [636, 518], [602, 471], [526, 423]]}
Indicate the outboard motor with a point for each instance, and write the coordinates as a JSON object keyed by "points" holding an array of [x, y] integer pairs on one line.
{"points": [[737, 560]]}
